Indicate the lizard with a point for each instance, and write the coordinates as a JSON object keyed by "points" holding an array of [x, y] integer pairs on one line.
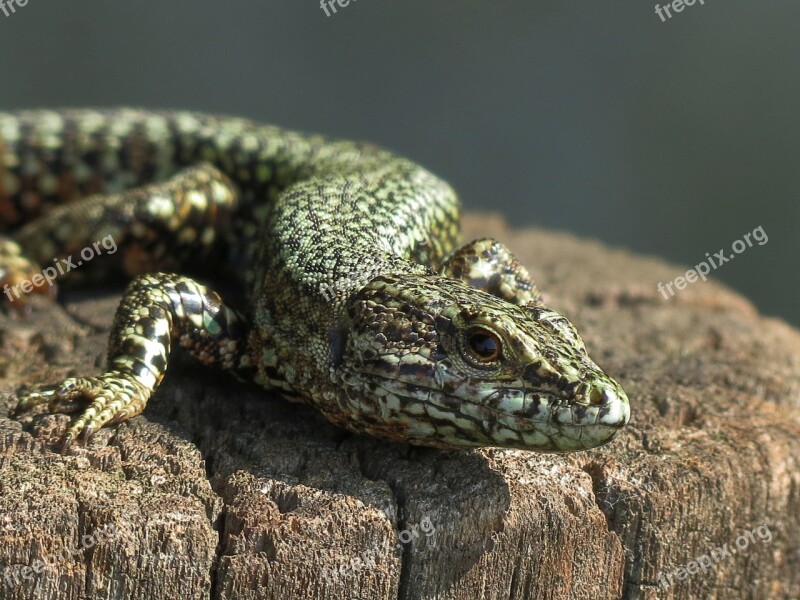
{"points": [[359, 298]]}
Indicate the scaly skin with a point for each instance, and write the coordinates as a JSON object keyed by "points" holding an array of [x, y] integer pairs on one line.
{"points": [[359, 301]]}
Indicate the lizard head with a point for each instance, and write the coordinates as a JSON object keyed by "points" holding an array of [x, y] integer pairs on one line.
{"points": [[431, 361]]}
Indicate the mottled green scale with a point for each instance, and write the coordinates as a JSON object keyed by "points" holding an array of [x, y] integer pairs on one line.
{"points": [[358, 300]]}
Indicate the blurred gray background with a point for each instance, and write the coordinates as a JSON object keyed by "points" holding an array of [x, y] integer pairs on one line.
{"points": [[669, 138]]}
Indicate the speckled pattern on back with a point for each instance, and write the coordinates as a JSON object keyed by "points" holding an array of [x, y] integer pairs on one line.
{"points": [[359, 300]]}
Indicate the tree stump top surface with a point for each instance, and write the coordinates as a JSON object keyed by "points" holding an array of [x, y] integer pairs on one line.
{"points": [[221, 490]]}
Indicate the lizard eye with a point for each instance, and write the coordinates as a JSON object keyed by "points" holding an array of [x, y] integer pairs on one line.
{"points": [[483, 345]]}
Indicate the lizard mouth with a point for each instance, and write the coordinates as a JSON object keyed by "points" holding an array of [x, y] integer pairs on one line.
{"points": [[466, 416]]}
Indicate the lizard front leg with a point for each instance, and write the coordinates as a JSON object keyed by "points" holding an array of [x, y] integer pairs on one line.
{"points": [[488, 265], [157, 310]]}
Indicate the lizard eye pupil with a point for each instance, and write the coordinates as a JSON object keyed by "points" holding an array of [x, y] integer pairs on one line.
{"points": [[484, 345]]}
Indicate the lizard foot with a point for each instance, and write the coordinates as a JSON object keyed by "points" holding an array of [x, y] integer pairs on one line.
{"points": [[113, 397], [488, 265]]}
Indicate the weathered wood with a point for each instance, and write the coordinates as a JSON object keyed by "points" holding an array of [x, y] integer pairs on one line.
{"points": [[220, 491]]}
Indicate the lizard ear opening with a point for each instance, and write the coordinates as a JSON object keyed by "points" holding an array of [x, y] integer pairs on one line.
{"points": [[337, 340]]}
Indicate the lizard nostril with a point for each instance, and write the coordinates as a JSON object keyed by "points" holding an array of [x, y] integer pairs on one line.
{"points": [[597, 397], [596, 393]]}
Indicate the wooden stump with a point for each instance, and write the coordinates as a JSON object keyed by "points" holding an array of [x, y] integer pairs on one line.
{"points": [[222, 491]]}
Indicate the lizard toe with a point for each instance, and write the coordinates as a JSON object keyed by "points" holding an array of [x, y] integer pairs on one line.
{"points": [[112, 397]]}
